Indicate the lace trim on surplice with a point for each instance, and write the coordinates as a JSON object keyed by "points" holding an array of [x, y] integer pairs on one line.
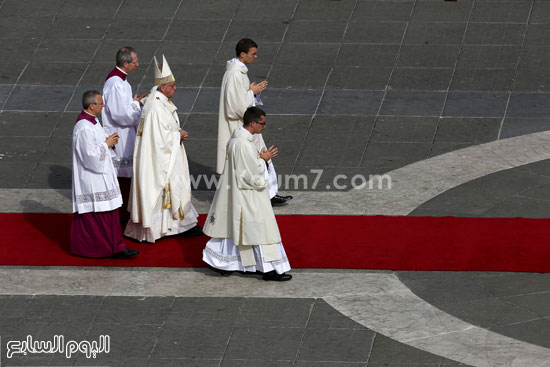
{"points": [[98, 196], [123, 162], [234, 258], [103, 152], [221, 257]]}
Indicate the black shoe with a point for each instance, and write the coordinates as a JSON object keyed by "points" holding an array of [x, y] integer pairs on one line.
{"points": [[272, 275], [278, 201], [223, 273], [287, 198], [125, 254], [195, 231]]}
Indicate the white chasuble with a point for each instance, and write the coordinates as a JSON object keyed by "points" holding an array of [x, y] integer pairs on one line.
{"points": [[235, 98], [161, 186], [241, 209], [95, 185]]}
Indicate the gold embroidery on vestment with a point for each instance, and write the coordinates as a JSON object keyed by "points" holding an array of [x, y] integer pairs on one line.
{"points": [[167, 79], [140, 128], [166, 202]]}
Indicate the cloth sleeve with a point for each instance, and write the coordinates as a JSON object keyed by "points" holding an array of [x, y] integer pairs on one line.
{"points": [[123, 110], [92, 156], [249, 168], [164, 140], [237, 98]]}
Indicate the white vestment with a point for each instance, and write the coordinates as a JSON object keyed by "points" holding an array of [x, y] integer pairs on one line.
{"points": [[235, 98], [95, 185], [121, 115], [241, 214], [160, 196]]}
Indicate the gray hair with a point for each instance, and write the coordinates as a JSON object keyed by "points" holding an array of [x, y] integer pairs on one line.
{"points": [[124, 55], [89, 97]]}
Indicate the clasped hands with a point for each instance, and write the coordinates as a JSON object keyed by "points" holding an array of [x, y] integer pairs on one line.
{"points": [[270, 153], [257, 88], [183, 135], [112, 140]]}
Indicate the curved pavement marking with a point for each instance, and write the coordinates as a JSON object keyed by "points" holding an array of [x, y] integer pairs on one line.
{"points": [[378, 301], [59, 200], [418, 182], [411, 185]]}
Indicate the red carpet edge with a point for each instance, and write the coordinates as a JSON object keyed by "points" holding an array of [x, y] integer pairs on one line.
{"points": [[317, 241]]}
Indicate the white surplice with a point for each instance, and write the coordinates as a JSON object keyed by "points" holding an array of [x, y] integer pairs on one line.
{"points": [[223, 254], [241, 214], [121, 115], [95, 185], [160, 196], [235, 98]]}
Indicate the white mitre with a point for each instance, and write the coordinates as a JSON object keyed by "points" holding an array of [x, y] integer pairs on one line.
{"points": [[163, 74]]}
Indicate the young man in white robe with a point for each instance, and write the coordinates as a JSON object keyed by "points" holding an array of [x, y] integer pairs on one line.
{"points": [[95, 231], [241, 222], [237, 94], [160, 195], [121, 115]]}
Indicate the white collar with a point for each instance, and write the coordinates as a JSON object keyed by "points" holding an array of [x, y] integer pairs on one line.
{"points": [[90, 114], [246, 131], [239, 62], [161, 96], [121, 70]]}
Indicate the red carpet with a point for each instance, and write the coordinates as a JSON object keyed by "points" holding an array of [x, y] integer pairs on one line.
{"points": [[351, 242]]}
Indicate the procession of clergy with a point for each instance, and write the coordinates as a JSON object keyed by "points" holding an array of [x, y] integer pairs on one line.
{"points": [[132, 172]]}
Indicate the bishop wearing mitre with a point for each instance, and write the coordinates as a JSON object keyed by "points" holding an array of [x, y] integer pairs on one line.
{"points": [[160, 194]]}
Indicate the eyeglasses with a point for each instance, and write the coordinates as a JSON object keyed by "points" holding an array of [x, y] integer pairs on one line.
{"points": [[260, 123]]}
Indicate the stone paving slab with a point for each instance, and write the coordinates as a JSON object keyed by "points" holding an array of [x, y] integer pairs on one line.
{"points": [[487, 299], [389, 61], [518, 192], [168, 303], [498, 179], [166, 331]]}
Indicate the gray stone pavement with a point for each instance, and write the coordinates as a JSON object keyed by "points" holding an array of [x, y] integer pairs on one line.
{"points": [[356, 87], [196, 331], [179, 316], [442, 96], [518, 192]]}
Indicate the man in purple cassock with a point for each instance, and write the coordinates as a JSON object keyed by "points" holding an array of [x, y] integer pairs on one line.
{"points": [[95, 231]]}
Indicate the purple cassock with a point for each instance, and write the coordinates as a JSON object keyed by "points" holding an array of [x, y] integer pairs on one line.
{"points": [[95, 233]]}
